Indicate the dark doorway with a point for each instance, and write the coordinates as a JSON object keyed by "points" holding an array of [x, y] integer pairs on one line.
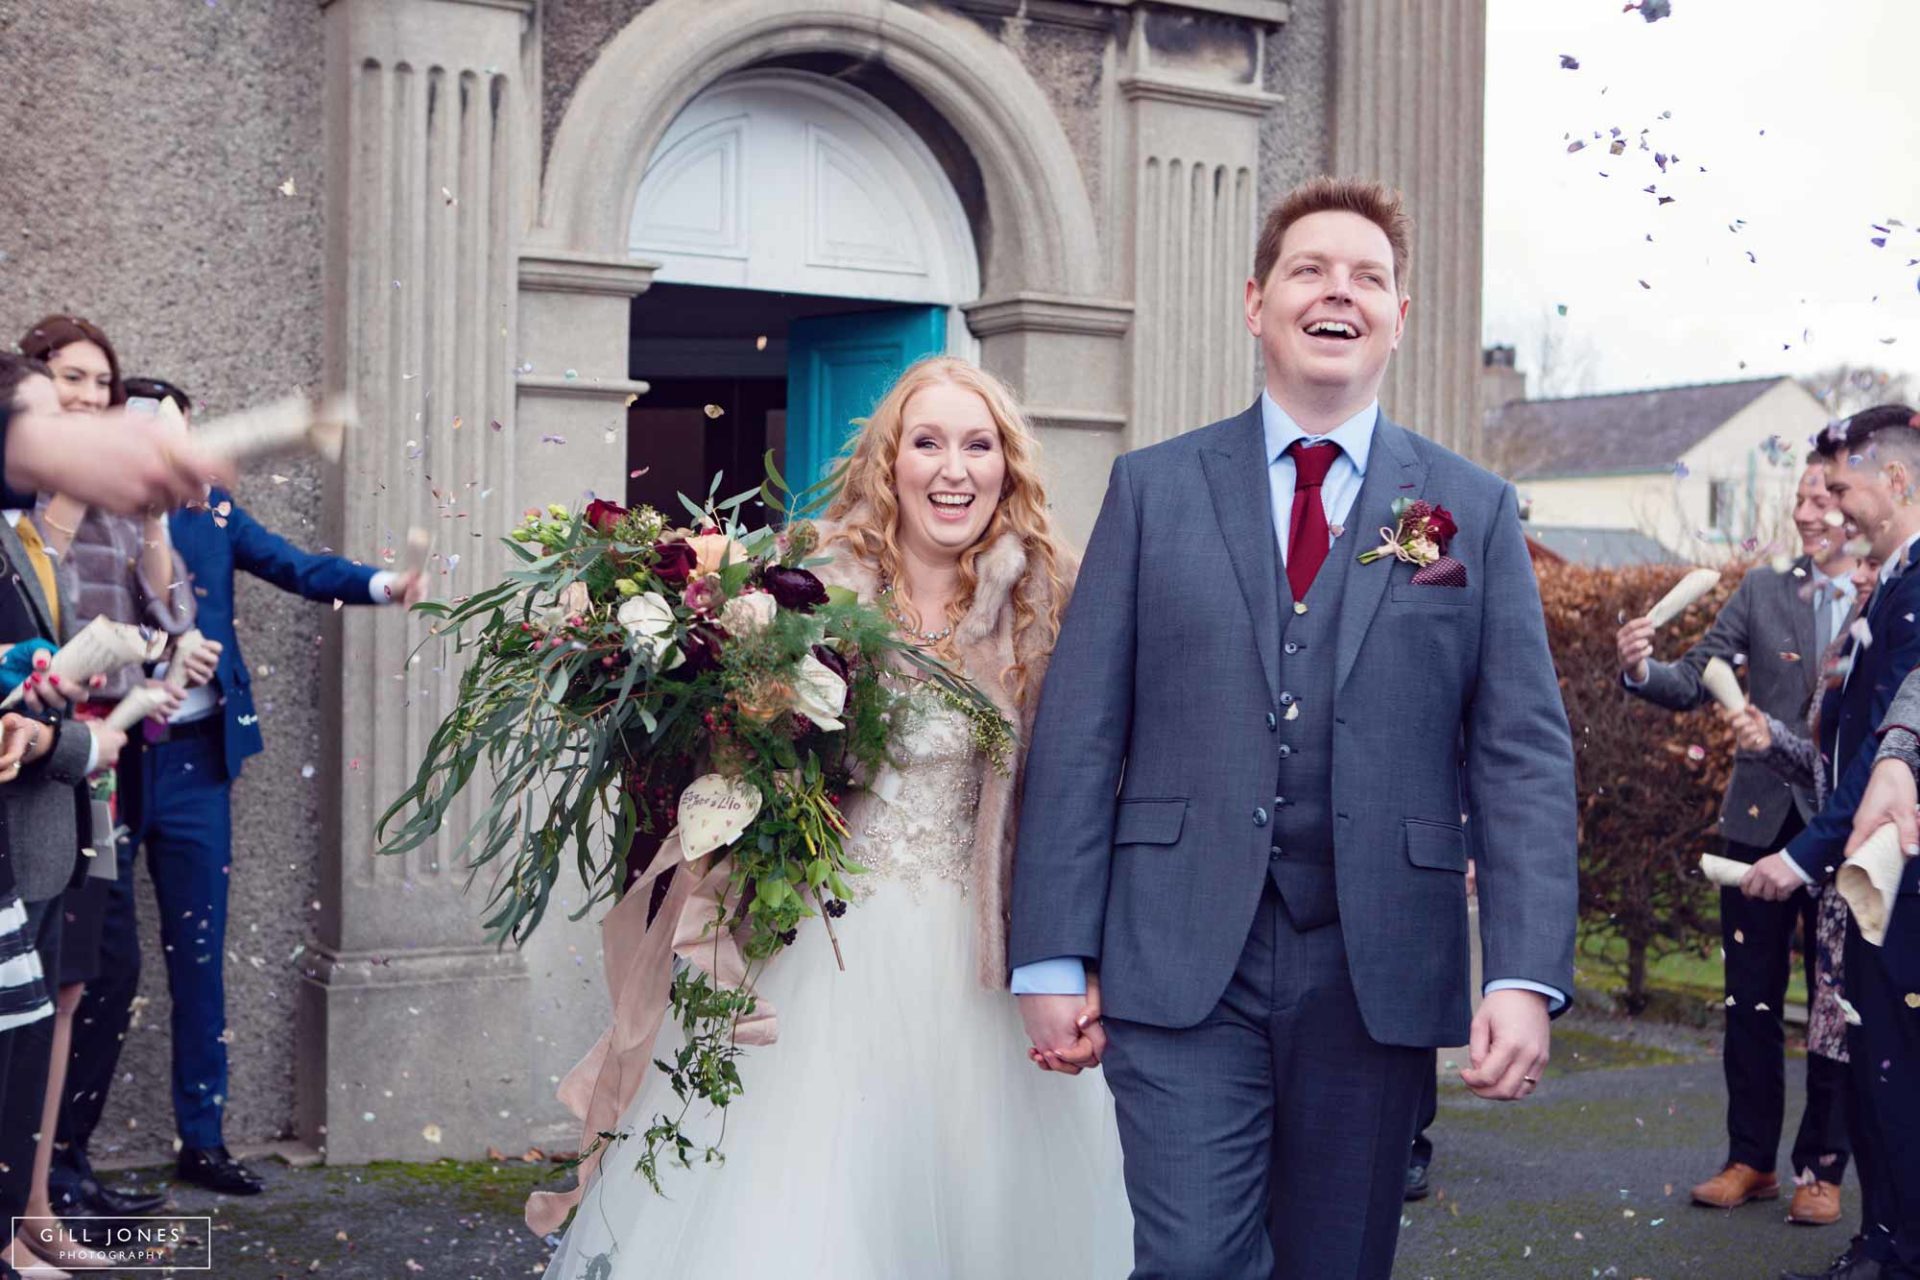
{"points": [[703, 349]]}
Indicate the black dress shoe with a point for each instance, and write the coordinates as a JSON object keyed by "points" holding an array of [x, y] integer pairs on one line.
{"points": [[1854, 1264], [1417, 1187], [215, 1169], [79, 1193], [88, 1199]]}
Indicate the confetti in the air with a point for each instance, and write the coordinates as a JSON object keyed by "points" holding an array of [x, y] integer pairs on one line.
{"points": [[713, 411]]}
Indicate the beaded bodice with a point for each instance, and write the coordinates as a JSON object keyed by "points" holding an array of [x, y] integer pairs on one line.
{"points": [[927, 827]]}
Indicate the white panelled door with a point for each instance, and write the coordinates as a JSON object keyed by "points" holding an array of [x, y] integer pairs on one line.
{"points": [[782, 180]]}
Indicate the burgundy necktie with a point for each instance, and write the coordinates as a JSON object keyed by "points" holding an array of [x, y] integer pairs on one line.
{"points": [[1307, 539]]}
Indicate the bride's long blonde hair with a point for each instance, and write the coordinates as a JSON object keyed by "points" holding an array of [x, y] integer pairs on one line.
{"points": [[867, 509]]}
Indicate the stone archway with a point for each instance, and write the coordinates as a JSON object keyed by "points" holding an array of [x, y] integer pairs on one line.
{"points": [[1048, 319], [1045, 233]]}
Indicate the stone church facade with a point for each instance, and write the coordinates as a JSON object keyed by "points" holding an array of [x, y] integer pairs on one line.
{"points": [[528, 235]]}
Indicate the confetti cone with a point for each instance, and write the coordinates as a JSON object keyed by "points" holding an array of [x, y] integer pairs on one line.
{"points": [[1870, 880], [1723, 685], [1689, 589]]}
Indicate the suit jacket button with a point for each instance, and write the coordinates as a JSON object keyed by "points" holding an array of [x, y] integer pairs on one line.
{"points": [[1285, 751], [1259, 817], [1286, 699], [1291, 647], [1273, 852], [1273, 722]]}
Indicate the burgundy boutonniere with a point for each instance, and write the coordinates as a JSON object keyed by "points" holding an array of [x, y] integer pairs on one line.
{"points": [[1419, 536]]}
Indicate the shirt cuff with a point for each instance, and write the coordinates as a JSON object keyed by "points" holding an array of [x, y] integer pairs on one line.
{"points": [[1631, 683], [1798, 869], [93, 746], [1556, 998], [380, 587], [1060, 976]]}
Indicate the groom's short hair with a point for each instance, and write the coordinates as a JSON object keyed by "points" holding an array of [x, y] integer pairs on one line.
{"points": [[1375, 201]]}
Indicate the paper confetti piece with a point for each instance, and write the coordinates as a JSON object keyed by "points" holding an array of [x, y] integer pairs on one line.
{"points": [[713, 411], [287, 188]]}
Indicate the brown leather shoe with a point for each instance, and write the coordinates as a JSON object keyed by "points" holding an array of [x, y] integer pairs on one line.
{"points": [[1736, 1184], [1815, 1204]]}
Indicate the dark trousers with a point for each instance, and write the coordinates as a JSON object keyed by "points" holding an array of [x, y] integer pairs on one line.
{"points": [[1422, 1154], [26, 1089], [176, 798], [1884, 1103], [1758, 940], [1269, 1140]]}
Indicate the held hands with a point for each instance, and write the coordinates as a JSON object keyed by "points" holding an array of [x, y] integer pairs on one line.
{"points": [[1065, 1030], [1508, 1050], [1889, 797], [1750, 729], [1635, 643]]}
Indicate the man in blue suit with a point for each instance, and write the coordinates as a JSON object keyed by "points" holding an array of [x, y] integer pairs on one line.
{"points": [[1243, 801], [175, 796]]}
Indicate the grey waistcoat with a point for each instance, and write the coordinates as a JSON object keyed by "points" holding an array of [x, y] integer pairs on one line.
{"points": [[1301, 854]]}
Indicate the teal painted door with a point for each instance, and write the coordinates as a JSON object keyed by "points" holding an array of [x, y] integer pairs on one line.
{"points": [[838, 367]]}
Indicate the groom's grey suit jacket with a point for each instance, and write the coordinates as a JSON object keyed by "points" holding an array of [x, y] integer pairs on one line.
{"points": [[1148, 825]]}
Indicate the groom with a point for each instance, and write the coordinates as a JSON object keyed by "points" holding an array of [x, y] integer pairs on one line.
{"points": [[1243, 804]]}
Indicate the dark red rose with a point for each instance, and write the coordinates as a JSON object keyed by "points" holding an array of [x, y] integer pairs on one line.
{"points": [[604, 515], [834, 662], [1440, 526], [701, 645], [794, 589], [675, 561]]}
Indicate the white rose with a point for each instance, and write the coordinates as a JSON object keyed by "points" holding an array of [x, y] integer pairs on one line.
{"points": [[749, 614], [649, 621], [819, 694]]}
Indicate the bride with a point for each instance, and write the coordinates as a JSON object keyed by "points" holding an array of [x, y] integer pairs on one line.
{"points": [[895, 1129]]}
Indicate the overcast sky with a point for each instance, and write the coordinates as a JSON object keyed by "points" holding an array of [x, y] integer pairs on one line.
{"points": [[1806, 117]]}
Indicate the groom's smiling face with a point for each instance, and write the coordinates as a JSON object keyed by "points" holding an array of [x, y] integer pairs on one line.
{"points": [[1330, 313]]}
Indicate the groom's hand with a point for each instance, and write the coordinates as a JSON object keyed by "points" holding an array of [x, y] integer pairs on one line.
{"points": [[1064, 1038], [1509, 1047]]}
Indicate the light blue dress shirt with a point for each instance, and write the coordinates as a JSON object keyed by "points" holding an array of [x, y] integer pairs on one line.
{"points": [[1067, 975]]}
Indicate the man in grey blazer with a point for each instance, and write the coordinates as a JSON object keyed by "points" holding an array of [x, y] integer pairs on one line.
{"points": [[1782, 622], [1243, 804]]}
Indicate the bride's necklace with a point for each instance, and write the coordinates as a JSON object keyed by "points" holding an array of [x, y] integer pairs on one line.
{"points": [[899, 619]]}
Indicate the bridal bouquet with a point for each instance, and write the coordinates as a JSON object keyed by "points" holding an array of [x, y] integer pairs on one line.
{"points": [[629, 678]]}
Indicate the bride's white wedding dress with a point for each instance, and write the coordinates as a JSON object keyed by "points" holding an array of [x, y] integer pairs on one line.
{"points": [[896, 1129]]}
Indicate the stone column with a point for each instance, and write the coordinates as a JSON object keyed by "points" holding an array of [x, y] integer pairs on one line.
{"points": [[1193, 111], [1407, 104], [414, 1031], [1068, 356]]}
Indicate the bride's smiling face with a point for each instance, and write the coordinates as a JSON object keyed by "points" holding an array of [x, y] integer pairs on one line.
{"points": [[949, 473]]}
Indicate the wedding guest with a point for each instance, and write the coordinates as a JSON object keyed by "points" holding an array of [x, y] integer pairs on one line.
{"points": [[1782, 622], [1794, 754], [44, 838], [187, 827], [1872, 462], [121, 568]]}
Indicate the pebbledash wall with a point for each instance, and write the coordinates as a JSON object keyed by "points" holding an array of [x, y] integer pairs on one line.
{"points": [[427, 201]]}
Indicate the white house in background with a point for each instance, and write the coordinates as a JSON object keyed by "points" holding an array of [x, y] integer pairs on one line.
{"points": [[1697, 473]]}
